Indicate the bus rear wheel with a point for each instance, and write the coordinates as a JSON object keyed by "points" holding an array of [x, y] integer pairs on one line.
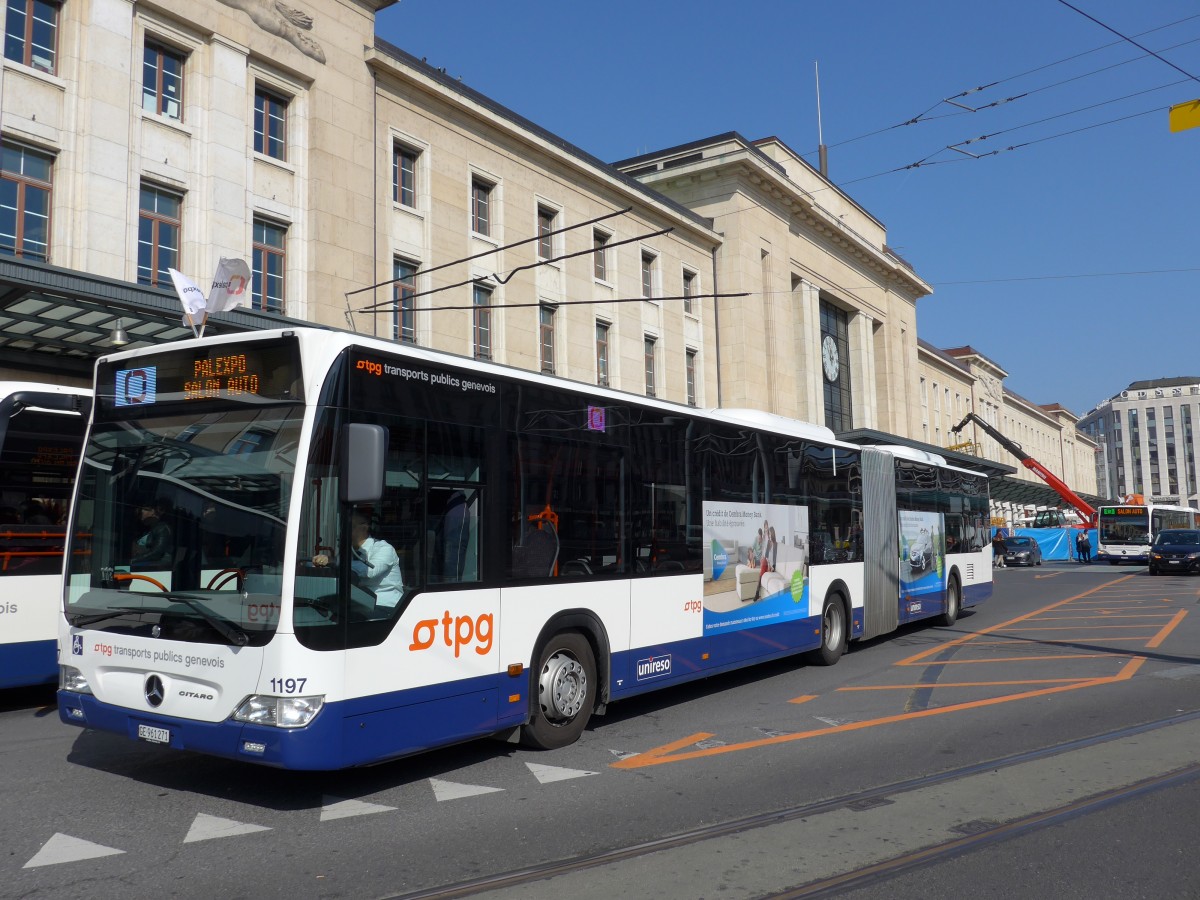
{"points": [[566, 693], [953, 603], [833, 633]]}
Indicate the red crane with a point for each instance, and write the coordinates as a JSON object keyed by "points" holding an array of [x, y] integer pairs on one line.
{"points": [[1081, 506]]}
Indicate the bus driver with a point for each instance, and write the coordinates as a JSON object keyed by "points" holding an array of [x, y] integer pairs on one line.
{"points": [[374, 562]]}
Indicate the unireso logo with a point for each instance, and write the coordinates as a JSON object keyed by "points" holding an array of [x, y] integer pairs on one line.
{"points": [[653, 667]]}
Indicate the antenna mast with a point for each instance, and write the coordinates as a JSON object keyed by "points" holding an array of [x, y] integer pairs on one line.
{"points": [[822, 150]]}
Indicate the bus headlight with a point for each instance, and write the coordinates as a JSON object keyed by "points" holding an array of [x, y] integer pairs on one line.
{"points": [[71, 679], [278, 712]]}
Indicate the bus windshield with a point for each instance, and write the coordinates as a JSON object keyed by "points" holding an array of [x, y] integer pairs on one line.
{"points": [[180, 524], [1131, 527]]}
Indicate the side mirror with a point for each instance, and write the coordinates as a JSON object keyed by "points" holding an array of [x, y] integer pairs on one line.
{"points": [[363, 456]]}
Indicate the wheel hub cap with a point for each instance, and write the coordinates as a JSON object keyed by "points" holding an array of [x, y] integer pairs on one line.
{"points": [[563, 687]]}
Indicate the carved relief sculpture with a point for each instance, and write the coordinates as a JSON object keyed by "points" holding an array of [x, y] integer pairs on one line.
{"points": [[284, 21]]}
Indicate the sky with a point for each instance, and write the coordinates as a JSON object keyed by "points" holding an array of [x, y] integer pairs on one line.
{"points": [[1072, 260]]}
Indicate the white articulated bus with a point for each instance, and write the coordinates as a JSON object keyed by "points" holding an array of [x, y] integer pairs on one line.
{"points": [[41, 431], [315, 550], [1125, 531]]}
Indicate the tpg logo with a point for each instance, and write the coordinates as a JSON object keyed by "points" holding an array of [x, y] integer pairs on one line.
{"points": [[653, 667]]}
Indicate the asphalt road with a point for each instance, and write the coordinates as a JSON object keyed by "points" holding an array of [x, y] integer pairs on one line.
{"points": [[1048, 744]]}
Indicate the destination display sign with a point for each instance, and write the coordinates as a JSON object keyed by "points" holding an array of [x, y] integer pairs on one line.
{"points": [[253, 372]]}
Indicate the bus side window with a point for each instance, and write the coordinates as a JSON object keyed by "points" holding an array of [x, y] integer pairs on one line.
{"points": [[454, 487], [454, 535]]}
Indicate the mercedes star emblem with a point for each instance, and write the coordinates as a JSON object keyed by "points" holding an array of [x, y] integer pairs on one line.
{"points": [[155, 692]]}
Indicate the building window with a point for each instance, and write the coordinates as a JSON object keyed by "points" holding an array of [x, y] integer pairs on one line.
{"points": [[481, 205], [835, 359], [690, 376], [600, 255], [270, 124], [647, 275], [602, 354], [162, 81], [270, 265], [31, 33], [689, 292], [404, 314], [483, 322], [159, 226], [545, 225], [404, 176], [25, 202], [546, 338], [648, 346]]}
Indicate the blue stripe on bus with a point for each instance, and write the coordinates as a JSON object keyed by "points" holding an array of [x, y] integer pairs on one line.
{"points": [[30, 662], [346, 733], [976, 593], [726, 651]]}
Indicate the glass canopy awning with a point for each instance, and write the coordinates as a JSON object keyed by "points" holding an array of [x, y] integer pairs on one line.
{"points": [[54, 319]]}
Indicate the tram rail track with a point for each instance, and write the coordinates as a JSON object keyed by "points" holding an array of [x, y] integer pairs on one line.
{"points": [[981, 832]]}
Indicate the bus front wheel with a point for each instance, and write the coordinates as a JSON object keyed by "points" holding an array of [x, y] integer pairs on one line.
{"points": [[566, 692], [833, 633]]}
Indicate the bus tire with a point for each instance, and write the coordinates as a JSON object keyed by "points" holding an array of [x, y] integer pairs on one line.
{"points": [[953, 603], [565, 685], [833, 633]]}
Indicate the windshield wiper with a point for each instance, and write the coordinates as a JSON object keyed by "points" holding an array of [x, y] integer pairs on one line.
{"points": [[82, 621], [224, 627]]}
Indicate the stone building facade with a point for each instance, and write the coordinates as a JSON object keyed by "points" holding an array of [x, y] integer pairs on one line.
{"points": [[959, 380]]}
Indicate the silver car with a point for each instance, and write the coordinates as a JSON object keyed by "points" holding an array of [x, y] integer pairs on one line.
{"points": [[1022, 551]]}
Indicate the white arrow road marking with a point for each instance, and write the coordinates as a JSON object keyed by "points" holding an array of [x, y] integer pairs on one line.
{"points": [[337, 808], [206, 827], [62, 848], [452, 790], [623, 754], [547, 774]]}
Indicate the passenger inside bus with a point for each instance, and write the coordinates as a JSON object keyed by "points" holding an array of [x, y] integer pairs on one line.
{"points": [[155, 546]]}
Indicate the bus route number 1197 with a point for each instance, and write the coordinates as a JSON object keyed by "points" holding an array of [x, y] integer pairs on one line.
{"points": [[288, 685]]}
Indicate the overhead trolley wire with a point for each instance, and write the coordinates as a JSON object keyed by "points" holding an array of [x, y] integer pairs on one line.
{"points": [[588, 302], [1130, 40], [465, 259], [963, 110], [483, 279]]}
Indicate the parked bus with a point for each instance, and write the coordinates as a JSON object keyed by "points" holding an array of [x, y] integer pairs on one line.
{"points": [[41, 431], [1126, 531], [374, 549]]}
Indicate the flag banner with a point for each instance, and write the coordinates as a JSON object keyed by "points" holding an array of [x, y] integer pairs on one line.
{"points": [[189, 293], [230, 286]]}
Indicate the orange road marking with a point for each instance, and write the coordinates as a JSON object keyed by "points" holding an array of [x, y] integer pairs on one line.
{"points": [[659, 755], [992, 659], [962, 684], [1047, 642], [1162, 615], [650, 755], [1166, 629], [1069, 628], [804, 699], [967, 638]]}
